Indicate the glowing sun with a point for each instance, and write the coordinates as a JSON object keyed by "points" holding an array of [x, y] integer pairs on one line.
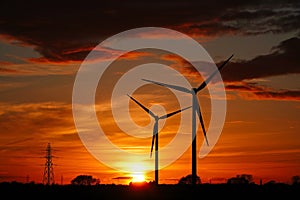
{"points": [[138, 177]]}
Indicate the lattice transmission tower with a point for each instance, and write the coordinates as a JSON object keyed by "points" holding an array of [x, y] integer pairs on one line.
{"points": [[48, 177]]}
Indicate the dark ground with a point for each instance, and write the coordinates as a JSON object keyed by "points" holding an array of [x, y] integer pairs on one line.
{"points": [[224, 191]]}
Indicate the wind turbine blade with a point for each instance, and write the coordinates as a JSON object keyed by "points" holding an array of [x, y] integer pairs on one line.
{"points": [[142, 106], [175, 87], [212, 75], [173, 113], [201, 121], [155, 132], [152, 143]]}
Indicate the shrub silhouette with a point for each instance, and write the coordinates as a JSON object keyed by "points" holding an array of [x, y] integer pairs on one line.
{"points": [[85, 180], [188, 180]]}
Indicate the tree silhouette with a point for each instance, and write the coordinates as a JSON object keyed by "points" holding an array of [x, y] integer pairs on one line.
{"points": [[241, 179], [188, 180], [85, 180], [295, 180], [247, 177]]}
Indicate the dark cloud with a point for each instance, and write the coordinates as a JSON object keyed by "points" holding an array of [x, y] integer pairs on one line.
{"points": [[254, 91], [284, 60], [286, 94], [253, 22], [58, 30], [123, 178], [241, 87]]}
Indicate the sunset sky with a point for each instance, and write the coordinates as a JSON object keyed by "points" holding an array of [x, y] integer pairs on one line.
{"points": [[43, 44]]}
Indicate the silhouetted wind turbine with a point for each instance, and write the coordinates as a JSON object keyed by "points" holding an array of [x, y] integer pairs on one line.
{"points": [[195, 109], [155, 131]]}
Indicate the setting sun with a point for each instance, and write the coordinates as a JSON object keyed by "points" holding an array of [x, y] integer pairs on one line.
{"points": [[138, 177]]}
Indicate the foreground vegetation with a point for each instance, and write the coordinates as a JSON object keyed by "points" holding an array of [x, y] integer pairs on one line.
{"points": [[147, 191]]}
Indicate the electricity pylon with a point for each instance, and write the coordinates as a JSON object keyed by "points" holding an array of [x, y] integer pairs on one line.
{"points": [[48, 177]]}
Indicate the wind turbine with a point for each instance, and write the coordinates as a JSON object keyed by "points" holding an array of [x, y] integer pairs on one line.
{"points": [[155, 131], [195, 111]]}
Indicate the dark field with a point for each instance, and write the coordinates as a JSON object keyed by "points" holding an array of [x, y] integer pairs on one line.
{"points": [[223, 191]]}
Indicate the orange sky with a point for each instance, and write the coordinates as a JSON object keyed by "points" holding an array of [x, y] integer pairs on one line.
{"points": [[261, 131]]}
